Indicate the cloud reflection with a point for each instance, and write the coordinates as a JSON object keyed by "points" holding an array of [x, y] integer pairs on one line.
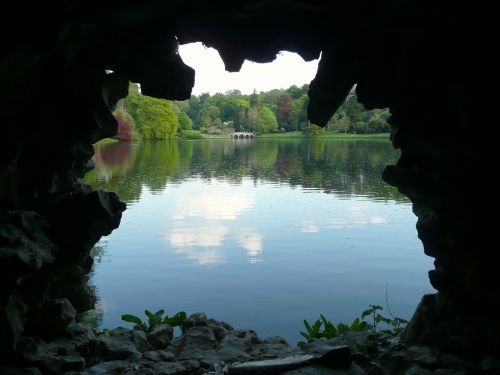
{"points": [[309, 226], [215, 205], [251, 242], [200, 223]]}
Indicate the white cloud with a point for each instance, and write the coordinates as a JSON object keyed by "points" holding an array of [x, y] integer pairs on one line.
{"points": [[286, 70], [378, 220], [220, 204], [309, 226], [251, 242], [203, 237]]}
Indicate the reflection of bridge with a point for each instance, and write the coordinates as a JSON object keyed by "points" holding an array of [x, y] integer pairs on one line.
{"points": [[242, 135]]}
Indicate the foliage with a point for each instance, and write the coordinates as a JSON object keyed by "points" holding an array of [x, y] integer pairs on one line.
{"points": [[265, 121], [322, 327], [155, 319], [191, 134], [124, 131], [289, 107], [129, 132], [154, 118], [313, 130], [185, 122]]}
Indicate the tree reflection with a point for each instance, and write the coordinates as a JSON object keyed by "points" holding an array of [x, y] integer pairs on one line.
{"points": [[343, 167]]}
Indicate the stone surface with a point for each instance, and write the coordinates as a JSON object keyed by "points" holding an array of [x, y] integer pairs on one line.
{"points": [[316, 370], [245, 340], [176, 368], [196, 343], [110, 367], [115, 347], [435, 67], [161, 336], [159, 356]]}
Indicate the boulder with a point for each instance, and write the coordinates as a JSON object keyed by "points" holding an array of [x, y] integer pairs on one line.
{"points": [[196, 343], [160, 336]]}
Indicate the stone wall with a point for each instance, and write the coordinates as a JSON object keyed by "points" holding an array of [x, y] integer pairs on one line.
{"points": [[64, 67]]}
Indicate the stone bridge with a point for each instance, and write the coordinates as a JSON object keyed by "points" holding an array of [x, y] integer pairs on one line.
{"points": [[242, 135]]}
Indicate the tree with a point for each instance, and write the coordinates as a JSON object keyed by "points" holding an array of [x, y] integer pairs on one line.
{"points": [[265, 121], [156, 118], [124, 132], [185, 122], [283, 109], [295, 92], [298, 113]]}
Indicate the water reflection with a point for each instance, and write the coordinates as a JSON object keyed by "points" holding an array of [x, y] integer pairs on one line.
{"points": [[345, 167], [262, 234]]}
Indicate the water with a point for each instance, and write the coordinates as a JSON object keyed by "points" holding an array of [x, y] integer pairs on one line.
{"points": [[261, 233]]}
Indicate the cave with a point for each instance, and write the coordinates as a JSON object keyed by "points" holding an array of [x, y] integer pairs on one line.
{"points": [[64, 66]]}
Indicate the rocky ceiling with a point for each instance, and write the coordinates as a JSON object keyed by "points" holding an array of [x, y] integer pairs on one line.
{"points": [[434, 65]]}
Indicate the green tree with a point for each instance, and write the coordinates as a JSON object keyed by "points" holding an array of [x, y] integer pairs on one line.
{"points": [[265, 121], [185, 122], [156, 118]]}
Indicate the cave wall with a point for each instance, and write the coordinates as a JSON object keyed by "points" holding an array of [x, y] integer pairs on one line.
{"points": [[64, 67]]}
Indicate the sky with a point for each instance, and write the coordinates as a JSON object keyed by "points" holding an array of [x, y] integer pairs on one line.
{"points": [[286, 70]]}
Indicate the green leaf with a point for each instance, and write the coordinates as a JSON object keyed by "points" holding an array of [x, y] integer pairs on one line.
{"points": [[316, 327], [363, 326], [131, 319], [176, 320], [305, 335], [159, 313], [308, 328], [341, 328], [366, 313], [300, 344], [148, 313]]}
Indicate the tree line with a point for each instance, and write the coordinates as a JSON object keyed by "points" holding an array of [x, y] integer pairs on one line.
{"points": [[278, 110]]}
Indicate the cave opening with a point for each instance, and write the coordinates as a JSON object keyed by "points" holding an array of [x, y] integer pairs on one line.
{"points": [[209, 226], [434, 67]]}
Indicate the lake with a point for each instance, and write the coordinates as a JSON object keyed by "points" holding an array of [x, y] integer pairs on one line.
{"points": [[259, 233]]}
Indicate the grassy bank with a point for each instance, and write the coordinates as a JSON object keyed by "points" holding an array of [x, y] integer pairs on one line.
{"points": [[329, 135], [106, 141]]}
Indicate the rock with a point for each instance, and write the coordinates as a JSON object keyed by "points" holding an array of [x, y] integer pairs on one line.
{"points": [[56, 315], [200, 319], [395, 362], [219, 331], [196, 343], [176, 368], [12, 321], [80, 332], [226, 354], [115, 347], [72, 363], [274, 347], [450, 361], [159, 356], [422, 355], [20, 371], [271, 365], [338, 357], [448, 371], [160, 336], [111, 367], [25, 246], [316, 370], [417, 370], [243, 339], [355, 369], [140, 340], [138, 371]]}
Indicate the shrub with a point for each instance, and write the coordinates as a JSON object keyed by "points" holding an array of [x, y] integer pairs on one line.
{"points": [[313, 130]]}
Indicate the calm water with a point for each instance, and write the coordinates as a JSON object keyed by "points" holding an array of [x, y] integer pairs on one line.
{"points": [[259, 233]]}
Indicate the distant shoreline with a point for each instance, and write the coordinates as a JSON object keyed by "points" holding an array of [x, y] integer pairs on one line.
{"points": [[287, 135]]}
